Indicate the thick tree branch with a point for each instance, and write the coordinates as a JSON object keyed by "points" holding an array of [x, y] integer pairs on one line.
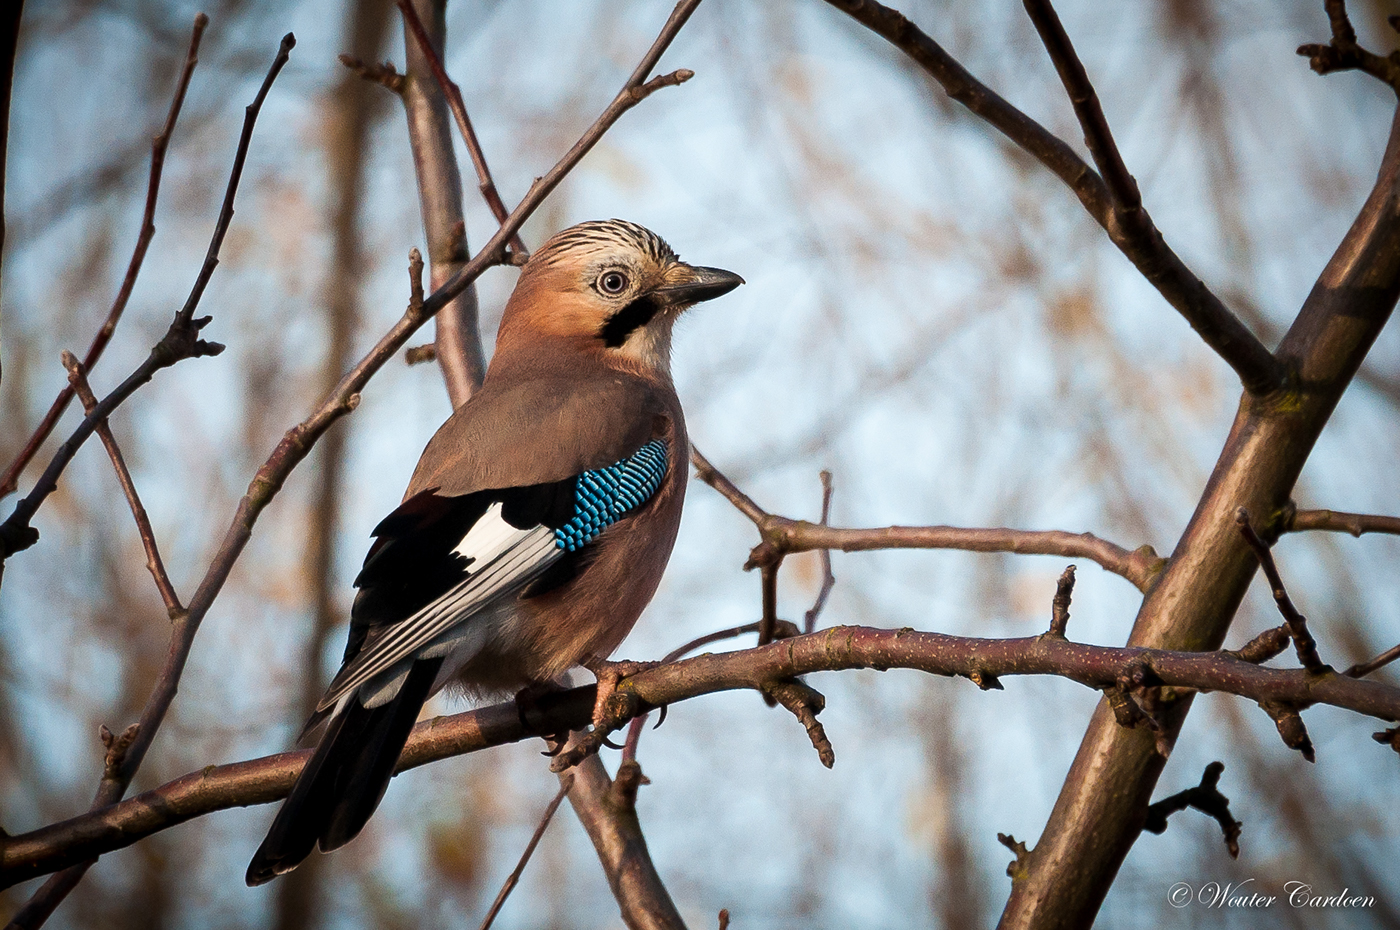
{"points": [[607, 808], [1140, 241], [159, 145], [265, 780], [782, 536], [1100, 810]]}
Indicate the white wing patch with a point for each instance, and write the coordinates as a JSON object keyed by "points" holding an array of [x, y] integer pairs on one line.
{"points": [[503, 559]]}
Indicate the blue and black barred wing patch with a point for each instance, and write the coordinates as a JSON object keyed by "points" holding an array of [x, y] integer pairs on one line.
{"points": [[437, 561], [604, 495]]}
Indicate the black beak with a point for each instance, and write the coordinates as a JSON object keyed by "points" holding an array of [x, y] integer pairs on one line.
{"points": [[701, 284]]}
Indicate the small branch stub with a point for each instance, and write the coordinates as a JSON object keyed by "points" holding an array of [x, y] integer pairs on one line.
{"points": [[1290, 727], [1059, 607], [805, 703], [383, 74], [1018, 867]]}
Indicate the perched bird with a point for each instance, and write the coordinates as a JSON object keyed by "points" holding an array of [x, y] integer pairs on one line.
{"points": [[534, 530]]}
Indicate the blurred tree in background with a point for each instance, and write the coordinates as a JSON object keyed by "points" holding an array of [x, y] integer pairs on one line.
{"points": [[930, 316]]}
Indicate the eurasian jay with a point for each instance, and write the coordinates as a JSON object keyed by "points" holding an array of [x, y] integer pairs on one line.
{"points": [[535, 528]]}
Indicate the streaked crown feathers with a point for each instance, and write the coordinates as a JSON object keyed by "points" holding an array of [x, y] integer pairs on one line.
{"points": [[603, 236]]}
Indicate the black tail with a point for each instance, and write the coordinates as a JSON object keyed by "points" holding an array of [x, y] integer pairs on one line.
{"points": [[345, 779]]}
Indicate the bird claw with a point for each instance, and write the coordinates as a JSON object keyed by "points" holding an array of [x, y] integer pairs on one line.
{"points": [[609, 675], [611, 709]]}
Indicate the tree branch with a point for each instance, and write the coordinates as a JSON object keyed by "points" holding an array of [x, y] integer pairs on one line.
{"points": [[485, 183], [1140, 241], [1343, 53], [607, 808], [782, 535], [1207, 799], [457, 340], [10, 481], [265, 780], [1099, 812], [1339, 521], [1303, 641], [77, 377]]}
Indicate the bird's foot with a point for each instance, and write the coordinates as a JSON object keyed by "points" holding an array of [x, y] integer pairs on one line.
{"points": [[611, 709], [609, 675]]}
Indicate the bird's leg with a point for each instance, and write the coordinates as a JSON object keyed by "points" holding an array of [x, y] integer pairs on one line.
{"points": [[528, 701]]}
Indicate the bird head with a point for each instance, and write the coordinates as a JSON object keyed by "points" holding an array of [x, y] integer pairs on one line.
{"points": [[611, 287]]}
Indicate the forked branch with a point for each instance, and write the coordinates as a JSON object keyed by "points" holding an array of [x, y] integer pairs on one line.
{"points": [[1139, 240]]}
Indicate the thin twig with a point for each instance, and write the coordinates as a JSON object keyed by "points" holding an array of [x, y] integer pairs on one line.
{"points": [[78, 378], [1303, 641], [1139, 566], [159, 145], [180, 342], [1343, 53], [769, 584], [716, 479], [1142, 244], [1339, 521], [513, 879], [809, 621], [245, 138], [1363, 669], [1122, 187], [453, 93], [1207, 799]]}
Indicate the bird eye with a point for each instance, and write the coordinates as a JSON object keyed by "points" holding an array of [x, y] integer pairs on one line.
{"points": [[612, 283]]}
